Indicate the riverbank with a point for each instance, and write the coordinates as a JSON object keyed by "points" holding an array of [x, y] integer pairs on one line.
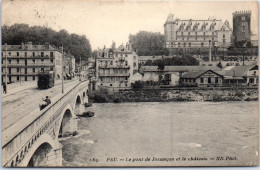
{"points": [[180, 94]]}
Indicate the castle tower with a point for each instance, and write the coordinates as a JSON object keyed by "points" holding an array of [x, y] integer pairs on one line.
{"points": [[170, 32], [241, 27]]}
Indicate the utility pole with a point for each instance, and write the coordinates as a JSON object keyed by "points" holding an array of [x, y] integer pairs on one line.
{"points": [[79, 68], [210, 51], [6, 68], [62, 81]]}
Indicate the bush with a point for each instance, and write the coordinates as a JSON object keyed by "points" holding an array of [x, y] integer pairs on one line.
{"points": [[138, 85]]}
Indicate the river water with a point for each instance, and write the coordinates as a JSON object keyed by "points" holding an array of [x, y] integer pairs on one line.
{"points": [[169, 133]]}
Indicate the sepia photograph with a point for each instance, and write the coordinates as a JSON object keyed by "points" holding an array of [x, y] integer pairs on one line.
{"points": [[127, 83]]}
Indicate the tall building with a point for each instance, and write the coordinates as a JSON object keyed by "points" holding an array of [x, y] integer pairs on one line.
{"points": [[26, 60], [241, 27], [195, 34], [115, 66]]}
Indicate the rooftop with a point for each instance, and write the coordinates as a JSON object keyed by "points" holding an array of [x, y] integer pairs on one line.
{"points": [[28, 46]]}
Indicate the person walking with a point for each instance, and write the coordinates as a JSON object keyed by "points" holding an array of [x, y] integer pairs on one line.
{"points": [[4, 87]]}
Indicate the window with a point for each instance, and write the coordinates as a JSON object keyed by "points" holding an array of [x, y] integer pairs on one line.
{"points": [[182, 38], [25, 78], [111, 85], [111, 62], [202, 44], [184, 45], [126, 55], [196, 38], [188, 39], [42, 69], [212, 38], [134, 57], [17, 78], [126, 63], [25, 71], [224, 41], [181, 33], [17, 61], [17, 54], [51, 60], [51, 54], [33, 61], [126, 78], [216, 80], [33, 77], [33, 54], [25, 54], [2, 54], [25, 62], [134, 64], [9, 53], [10, 71], [42, 54], [179, 44], [212, 33], [204, 33], [52, 69], [209, 80], [9, 61], [2, 61], [33, 70], [224, 35], [17, 70], [243, 18], [189, 44], [188, 33]]}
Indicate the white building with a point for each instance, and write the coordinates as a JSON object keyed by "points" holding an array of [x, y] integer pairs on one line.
{"points": [[116, 66], [26, 60]]}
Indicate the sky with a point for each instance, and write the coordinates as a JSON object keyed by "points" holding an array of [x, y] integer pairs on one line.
{"points": [[105, 21]]}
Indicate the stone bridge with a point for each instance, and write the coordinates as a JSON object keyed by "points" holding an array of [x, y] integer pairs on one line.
{"points": [[33, 140]]}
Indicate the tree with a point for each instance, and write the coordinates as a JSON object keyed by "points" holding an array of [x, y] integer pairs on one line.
{"points": [[74, 44], [148, 43]]}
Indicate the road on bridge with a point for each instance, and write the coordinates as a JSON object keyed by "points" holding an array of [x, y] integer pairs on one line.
{"points": [[18, 105]]}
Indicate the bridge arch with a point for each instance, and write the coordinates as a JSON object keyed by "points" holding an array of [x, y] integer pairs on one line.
{"points": [[78, 105], [45, 144], [67, 123]]}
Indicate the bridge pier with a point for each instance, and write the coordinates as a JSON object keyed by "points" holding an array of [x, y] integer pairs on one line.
{"points": [[54, 157]]}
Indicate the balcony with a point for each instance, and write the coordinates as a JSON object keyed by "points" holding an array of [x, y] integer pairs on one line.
{"points": [[114, 75], [28, 57], [113, 66], [28, 65]]}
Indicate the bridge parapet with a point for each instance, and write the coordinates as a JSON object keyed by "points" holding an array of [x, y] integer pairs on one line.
{"points": [[19, 138]]}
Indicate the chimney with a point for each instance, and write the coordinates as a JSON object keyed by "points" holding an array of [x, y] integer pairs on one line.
{"points": [[29, 45], [23, 46], [47, 45], [130, 46], [126, 46]]}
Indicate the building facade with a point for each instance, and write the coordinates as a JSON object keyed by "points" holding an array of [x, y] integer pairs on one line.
{"points": [[241, 27], [23, 62], [202, 79], [115, 66], [195, 34]]}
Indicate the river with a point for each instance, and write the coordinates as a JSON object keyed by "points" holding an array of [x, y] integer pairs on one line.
{"points": [[170, 133]]}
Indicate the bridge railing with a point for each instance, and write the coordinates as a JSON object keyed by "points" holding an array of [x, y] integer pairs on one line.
{"points": [[19, 138]]}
